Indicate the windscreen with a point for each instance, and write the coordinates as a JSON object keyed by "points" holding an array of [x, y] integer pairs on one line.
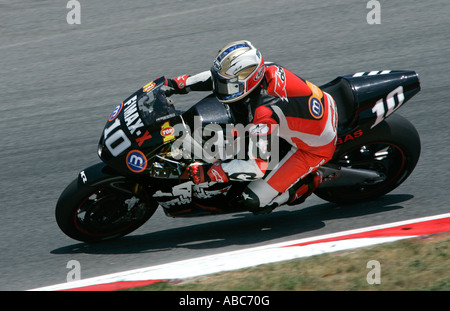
{"points": [[154, 106]]}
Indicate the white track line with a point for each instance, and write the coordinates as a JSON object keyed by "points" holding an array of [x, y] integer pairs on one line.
{"points": [[246, 258]]}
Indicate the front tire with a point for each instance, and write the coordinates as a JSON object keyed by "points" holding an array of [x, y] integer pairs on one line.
{"points": [[109, 209], [392, 148]]}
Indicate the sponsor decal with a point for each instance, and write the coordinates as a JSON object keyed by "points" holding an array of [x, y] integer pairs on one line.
{"points": [[167, 132], [148, 87], [131, 117], [180, 194], [131, 101], [280, 84], [259, 73], [315, 107], [115, 112], [259, 129], [144, 137], [136, 161], [217, 176], [348, 137]]}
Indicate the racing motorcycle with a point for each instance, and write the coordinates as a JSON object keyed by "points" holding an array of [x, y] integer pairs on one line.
{"points": [[144, 158]]}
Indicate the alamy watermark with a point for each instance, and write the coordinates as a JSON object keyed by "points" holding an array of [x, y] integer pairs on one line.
{"points": [[213, 142], [374, 275], [75, 271], [374, 15], [74, 15]]}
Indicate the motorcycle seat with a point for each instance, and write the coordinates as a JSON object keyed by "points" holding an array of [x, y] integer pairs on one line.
{"points": [[341, 90]]}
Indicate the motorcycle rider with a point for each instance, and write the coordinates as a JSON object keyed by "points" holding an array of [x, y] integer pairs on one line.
{"points": [[275, 102]]}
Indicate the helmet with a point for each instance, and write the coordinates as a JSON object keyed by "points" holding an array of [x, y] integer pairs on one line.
{"points": [[237, 70]]}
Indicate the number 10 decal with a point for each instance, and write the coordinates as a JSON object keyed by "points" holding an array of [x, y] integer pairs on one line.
{"points": [[379, 108], [117, 142]]}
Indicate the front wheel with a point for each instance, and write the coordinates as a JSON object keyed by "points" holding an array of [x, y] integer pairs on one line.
{"points": [[109, 209], [392, 149]]}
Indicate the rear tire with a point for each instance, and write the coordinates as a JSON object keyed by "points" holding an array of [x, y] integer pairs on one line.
{"points": [[392, 148], [106, 210]]}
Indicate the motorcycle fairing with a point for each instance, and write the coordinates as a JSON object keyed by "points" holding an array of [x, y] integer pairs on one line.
{"points": [[138, 128], [364, 99]]}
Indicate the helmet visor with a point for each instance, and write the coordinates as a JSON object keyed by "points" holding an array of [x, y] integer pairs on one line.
{"points": [[226, 89]]}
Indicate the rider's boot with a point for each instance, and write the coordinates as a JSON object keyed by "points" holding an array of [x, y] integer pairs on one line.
{"points": [[304, 188]]}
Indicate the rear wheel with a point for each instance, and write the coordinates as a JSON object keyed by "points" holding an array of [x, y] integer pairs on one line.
{"points": [[392, 149], [112, 208]]}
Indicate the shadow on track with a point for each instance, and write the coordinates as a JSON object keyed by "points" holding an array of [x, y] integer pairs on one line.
{"points": [[242, 229]]}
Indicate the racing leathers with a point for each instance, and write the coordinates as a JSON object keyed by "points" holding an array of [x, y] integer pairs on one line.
{"points": [[295, 110]]}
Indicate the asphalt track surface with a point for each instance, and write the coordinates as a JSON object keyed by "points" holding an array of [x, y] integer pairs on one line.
{"points": [[59, 83]]}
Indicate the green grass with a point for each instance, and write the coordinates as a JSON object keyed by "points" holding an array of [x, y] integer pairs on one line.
{"points": [[419, 264]]}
